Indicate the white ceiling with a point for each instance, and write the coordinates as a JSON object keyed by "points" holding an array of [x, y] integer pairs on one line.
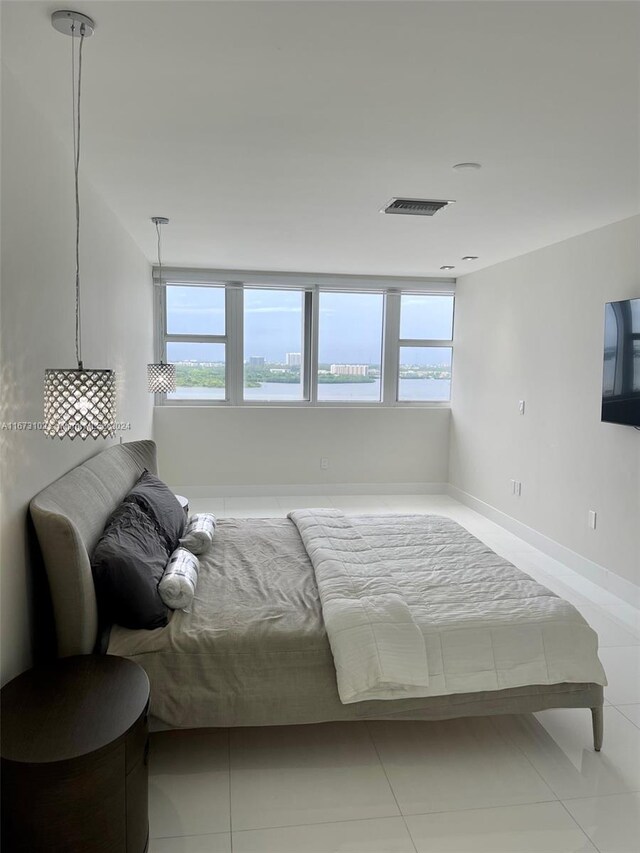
{"points": [[271, 133]]}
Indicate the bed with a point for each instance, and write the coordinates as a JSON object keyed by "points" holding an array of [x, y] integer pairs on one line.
{"points": [[255, 650]]}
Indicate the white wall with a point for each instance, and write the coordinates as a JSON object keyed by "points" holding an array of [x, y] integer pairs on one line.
{"points": [[37, 312], [532, 329], [217, 447]]}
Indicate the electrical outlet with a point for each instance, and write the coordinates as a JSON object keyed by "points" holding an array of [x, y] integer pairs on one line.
{"points": [[521, 407], [516, 488], [593, 517], [324, 462]]}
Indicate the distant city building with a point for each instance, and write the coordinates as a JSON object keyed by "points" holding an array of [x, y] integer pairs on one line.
{"points": [[256, 361], [350, 369], [293, 359]]}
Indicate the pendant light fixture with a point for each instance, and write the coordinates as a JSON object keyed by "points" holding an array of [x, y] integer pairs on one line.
{"points": [[78, 402], [161, 377]]}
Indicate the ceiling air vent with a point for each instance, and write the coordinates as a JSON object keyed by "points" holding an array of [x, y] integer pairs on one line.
{"points": [[415, 206]]}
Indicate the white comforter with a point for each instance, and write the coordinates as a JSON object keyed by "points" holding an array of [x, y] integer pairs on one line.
{"points": [[417, 606]]}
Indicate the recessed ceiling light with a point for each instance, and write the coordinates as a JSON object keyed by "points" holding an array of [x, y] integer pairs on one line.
{"points": [[447, 267], [470, 258], [471, 166]]}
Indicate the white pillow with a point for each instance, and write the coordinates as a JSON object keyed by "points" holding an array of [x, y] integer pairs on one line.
{"points": [[198, 534], [177, 586]]}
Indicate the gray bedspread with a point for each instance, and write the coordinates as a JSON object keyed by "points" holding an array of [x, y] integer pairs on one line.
{"points": [[254, 650]]}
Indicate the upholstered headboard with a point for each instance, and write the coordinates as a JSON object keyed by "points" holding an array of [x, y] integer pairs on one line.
{"points": [[69, 517]]}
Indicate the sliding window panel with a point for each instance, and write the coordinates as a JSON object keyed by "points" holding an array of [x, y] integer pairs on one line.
{"points": [[200, 370], [427, 316], [274, 347], [349, 347], [195, 310], [424, 374]]}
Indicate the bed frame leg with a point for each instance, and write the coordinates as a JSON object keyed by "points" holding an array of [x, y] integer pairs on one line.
{"points": [[597, 717]]}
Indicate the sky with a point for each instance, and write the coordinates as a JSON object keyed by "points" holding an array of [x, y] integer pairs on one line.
{"points": [[350, 323]]}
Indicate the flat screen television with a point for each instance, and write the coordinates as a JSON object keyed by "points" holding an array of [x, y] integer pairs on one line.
{"points": [[621, 370]]}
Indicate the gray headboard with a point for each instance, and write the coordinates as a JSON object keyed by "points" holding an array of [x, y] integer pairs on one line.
{"points": [[69, 517]]}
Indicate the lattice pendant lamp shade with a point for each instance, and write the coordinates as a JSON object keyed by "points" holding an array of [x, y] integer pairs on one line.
{"points": [[79, 403], [161, 377]]}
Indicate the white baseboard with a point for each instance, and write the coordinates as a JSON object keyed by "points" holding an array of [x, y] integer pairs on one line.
{"points": [[311, 489], [613, 583]]}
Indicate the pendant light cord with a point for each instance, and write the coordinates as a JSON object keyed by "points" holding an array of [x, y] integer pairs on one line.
{"points": [[76, 167], [159, 255], [158, 232]]}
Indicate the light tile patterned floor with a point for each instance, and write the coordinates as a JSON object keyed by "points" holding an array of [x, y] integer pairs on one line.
{"points": [[519, 784]]}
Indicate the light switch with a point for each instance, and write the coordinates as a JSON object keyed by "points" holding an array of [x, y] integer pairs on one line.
{"points": [[521, 407]]}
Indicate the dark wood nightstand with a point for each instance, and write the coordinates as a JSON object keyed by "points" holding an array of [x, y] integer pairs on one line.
{"points": [[74, 758]]}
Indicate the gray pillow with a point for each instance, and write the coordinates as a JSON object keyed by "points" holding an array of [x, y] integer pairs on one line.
{"points": [[161, 505], [127, 565]]}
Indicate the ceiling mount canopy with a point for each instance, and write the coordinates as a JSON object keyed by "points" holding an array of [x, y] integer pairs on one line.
{"points": [[72, 23]]}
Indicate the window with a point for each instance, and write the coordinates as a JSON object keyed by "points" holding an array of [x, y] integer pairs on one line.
{"points": [[200, 371], [350, 347], [425, 374], [195, 341], [424, 369], [301, 342], [273, 344], [426, 315], [195, 310]]}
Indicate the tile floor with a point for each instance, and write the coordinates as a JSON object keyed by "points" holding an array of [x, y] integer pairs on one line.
{"points": [[517, 784]]}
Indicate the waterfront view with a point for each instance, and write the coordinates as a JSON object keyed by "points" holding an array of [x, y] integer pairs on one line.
{"points": [[278, 381], [349, 345]]}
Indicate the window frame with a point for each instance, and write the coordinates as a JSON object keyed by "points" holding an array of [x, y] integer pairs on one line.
{"points": [[312, 285], [424, 343], [314, 378], [306, 348]]}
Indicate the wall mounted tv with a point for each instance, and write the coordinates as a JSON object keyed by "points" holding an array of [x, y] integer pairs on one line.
{"points": [[621, 373]]}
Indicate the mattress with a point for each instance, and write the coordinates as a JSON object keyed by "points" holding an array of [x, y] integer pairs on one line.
{"points": [[253, 650]]}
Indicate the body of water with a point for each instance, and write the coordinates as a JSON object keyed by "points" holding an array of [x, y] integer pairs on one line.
{"points": [[429, 390]]}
